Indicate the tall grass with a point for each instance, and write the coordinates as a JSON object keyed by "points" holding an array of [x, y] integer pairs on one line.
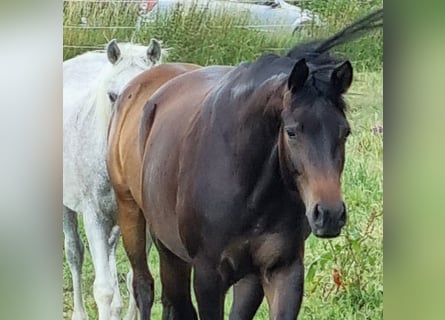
{"points": [[117, 16], [204, 37]]}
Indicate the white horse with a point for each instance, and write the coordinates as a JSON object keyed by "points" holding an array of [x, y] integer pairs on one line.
{"points": [[91, 83]]}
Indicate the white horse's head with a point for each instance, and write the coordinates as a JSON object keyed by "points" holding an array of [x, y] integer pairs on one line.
{"points": [[127, 60]]}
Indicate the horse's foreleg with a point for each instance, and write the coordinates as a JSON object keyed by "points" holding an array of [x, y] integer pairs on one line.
{"points": [[210, 292], [133, 228], [74, 252], [247, 297], [98, 231], [175, 279], [283, 288]]}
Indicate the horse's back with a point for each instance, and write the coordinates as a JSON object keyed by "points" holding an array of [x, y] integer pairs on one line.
{"points": [[79, 75], [176, 105], [178, 101]]}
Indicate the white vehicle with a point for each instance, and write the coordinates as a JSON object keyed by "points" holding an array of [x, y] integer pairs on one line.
{"points": [[268, 16]]}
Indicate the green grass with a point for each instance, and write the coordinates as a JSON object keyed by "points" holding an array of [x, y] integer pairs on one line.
{"points": [[217, 39]]}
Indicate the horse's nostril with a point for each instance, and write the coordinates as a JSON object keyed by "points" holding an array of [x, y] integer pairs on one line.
{"points": [[317, 213], [343, 214]]}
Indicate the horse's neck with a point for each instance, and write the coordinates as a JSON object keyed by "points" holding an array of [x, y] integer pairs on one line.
{"points": [[275, 180], [267, 182], [249, 132], [248, 110]]}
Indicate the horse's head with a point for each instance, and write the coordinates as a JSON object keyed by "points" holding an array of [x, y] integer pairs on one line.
{"points": [[128, 60], [312, 141]]}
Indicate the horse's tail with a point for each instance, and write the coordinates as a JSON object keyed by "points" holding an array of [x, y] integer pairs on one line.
{"points": [[317, 48], [147, 118], [368, 23]]}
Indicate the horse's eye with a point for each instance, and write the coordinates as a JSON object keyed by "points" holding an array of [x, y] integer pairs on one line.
{"points": [[112, 96], [291, 132]]}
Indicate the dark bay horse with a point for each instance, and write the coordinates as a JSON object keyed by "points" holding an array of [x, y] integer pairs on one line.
{"points": [[238, 165]]}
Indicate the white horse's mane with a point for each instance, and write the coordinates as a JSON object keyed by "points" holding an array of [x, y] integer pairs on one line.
{"points": [[131, 55]]}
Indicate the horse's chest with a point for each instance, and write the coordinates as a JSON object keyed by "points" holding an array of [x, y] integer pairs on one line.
{"points": [[258, 253]]}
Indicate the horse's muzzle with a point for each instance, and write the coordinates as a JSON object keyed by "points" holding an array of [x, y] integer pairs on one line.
{"points": [[327, 221]]}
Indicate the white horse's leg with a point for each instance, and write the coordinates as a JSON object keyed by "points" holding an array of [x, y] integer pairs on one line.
{"points": [[116, 304], [98, 230], [132, 313], [74, 251]]}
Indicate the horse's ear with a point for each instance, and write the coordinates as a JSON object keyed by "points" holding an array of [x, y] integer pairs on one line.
{"points": [[113, 51], [298, 75], [154, 51], [341, 77]]}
